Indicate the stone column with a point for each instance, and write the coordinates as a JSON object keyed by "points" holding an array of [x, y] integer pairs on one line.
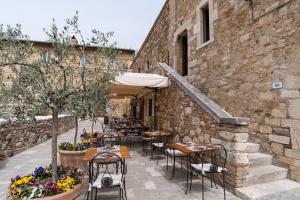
{"points": [[235, 139]]}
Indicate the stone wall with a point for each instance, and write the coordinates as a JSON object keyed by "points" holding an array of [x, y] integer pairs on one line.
{"points": [[189, 122], [236, 69], [17, 137]]}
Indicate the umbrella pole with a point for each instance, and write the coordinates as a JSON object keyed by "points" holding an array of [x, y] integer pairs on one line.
{"points": [[155, 125]]}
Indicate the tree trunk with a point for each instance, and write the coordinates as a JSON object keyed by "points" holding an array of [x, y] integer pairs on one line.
{"points": [[54, 145], [76, 130], [93, 127]]}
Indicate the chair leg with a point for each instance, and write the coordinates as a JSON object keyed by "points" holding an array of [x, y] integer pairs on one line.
{"points": [[158, 151], [173, 172], [96, 194], [224, 185], [202, 187], [191, 181], [152, 149], [210, 176], [167, 161], [125, 190], [181, 162], [214, 181]]}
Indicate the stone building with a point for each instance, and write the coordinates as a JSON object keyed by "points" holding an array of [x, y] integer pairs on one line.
{"points": [[124, 57], [230, 56]]}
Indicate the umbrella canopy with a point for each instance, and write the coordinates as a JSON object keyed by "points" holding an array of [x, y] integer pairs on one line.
{"points": [[135, 84]]}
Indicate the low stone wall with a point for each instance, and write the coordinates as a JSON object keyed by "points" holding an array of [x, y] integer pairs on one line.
{"points": [[17, 137]]}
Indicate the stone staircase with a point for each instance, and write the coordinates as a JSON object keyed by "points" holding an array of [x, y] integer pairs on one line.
{"points": [[265, 180]]}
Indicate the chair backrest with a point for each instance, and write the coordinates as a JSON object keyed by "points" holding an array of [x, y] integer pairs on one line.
{"points": [[217, 154], [108, 162]]}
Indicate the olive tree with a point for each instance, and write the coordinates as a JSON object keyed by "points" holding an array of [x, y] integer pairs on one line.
{"points": [[66, 79]]}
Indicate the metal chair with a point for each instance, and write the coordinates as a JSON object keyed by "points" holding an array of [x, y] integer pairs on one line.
{"points": [[174, 154], [102, 176], [216, 155], [159, 143], [146, 144]]}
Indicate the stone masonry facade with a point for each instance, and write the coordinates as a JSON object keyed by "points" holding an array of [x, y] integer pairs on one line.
{"points": [[17, 136], [235, 68]]}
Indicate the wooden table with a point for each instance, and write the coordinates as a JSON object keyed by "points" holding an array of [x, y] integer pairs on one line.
{"points": [[188, 150], [91, 152], [157, 133], [117, 136], [102, 135]]}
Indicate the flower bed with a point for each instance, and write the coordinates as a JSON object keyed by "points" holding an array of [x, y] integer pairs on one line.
{"points": [[89, 135], [39, 185]]}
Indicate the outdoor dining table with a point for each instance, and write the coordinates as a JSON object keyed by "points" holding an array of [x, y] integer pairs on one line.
{"points": [[118, 135], [157, 133], [154, 135], [122, 151], [188, 149]]}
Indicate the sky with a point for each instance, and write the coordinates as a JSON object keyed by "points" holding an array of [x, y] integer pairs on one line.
{"points": [[130, 20]]}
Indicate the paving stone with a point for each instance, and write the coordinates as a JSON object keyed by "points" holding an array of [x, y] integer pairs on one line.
{"points": [[145, 180]]}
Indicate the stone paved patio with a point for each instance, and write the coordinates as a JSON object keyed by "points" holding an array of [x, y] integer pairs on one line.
{"points": [[145, 180]]}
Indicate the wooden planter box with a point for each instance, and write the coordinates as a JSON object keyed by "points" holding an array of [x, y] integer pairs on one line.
{"points": [[73, 159], [73, 194]]}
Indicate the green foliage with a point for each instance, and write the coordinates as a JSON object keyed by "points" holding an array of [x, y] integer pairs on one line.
{"points": [[56, 83], [40, 85]]}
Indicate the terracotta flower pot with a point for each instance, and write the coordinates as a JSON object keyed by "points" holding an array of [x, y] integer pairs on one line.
{"points": [[73, 159], [70, 195]]}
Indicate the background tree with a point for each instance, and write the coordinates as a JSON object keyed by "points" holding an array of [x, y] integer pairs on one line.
{"points": [[54, 81]]}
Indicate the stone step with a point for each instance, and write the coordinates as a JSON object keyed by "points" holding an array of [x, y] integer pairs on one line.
{"points": [[252, 147], [265, 174], [275, 190], [259, 159]]}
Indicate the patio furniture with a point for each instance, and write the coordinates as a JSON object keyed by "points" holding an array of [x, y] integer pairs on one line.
{"points": [[101, 175], [217, 156], [158, 141], [146, 142], [121, 151], [189, 149], [132, 128], [174, 154], [110, 138]]}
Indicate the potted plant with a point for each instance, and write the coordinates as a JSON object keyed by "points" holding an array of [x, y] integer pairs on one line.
{"points": [[71, 154], [39, 185]]}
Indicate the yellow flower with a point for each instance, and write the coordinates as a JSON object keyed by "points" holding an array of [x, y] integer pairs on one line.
{"points": [[21, 181], [66, 184], [86, 141]]}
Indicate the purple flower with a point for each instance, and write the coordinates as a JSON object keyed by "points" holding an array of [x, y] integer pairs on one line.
{"points": [[14, 179], [39, 171]]}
